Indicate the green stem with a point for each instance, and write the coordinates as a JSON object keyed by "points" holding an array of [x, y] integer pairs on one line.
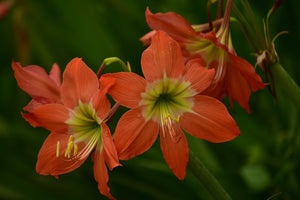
{"points": [[286, 83], [207, 180]]}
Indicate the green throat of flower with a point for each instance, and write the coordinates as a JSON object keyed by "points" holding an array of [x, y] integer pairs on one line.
{"points": [[166, 99], [84, 126], [214, 56]]}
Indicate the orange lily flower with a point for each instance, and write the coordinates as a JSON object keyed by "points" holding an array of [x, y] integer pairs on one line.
{"points": [[166, 102], [34, 80], [77, 127], [234, 76]]}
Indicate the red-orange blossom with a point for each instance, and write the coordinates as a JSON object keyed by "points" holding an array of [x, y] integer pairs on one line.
{"points": [[167, 102], [74, 112], [234, 76]]}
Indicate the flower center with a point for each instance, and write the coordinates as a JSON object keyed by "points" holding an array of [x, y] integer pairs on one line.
{"points": [[166, 99], [84, 126], [214, 56], [205, 48]]}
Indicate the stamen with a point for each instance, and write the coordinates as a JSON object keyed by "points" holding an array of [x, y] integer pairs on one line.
{"points": [[220, 72], [169, 116], [177, 119], [75, 150], [92, 142], [169, 128], [69, 147], [85, 126], [57, 149], [70, 139]]}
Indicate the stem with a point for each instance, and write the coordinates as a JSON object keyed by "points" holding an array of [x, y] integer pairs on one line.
{"points": [[206, 178], [100, 71], [209, 16], [227, 15], [286, 83], [205, 27], [275, 6], [224, 29], [112, 112], [107, 61], [110, 60], [220, 9]]}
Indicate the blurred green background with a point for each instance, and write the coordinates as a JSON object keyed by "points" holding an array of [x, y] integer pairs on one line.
{"points": [[263, 163]]}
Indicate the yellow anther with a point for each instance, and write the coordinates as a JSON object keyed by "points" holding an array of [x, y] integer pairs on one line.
{"points": [[70, 139], [75, 150], [69, 149], [166, 118], [170, 117], [57, 149], [177, 119]]}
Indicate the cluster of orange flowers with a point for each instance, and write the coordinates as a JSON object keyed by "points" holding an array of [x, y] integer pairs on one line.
{"points": [[186, 74]]}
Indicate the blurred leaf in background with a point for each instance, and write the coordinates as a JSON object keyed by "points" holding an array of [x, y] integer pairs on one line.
{"points": [[262, 163]]}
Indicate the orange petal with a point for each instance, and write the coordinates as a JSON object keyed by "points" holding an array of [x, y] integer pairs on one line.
{"points": [[100, 101], [101, 174], [199, 76], [109, 148], [134, 135], [80, 83], [49, 116], [162, 57], [216, 90], [146, 39], [36, 82], [30, 119], [213, 38], [210, 120], [172, 23], [101, 104], [33, 104], [55, 74], [127, 88], [175, 154], [49, 164], [237, 88], [248, 72]]}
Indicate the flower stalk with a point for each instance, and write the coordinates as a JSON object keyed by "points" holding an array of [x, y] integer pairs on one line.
{"points": [[208, 181], [110, 60], [112, 112]]}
